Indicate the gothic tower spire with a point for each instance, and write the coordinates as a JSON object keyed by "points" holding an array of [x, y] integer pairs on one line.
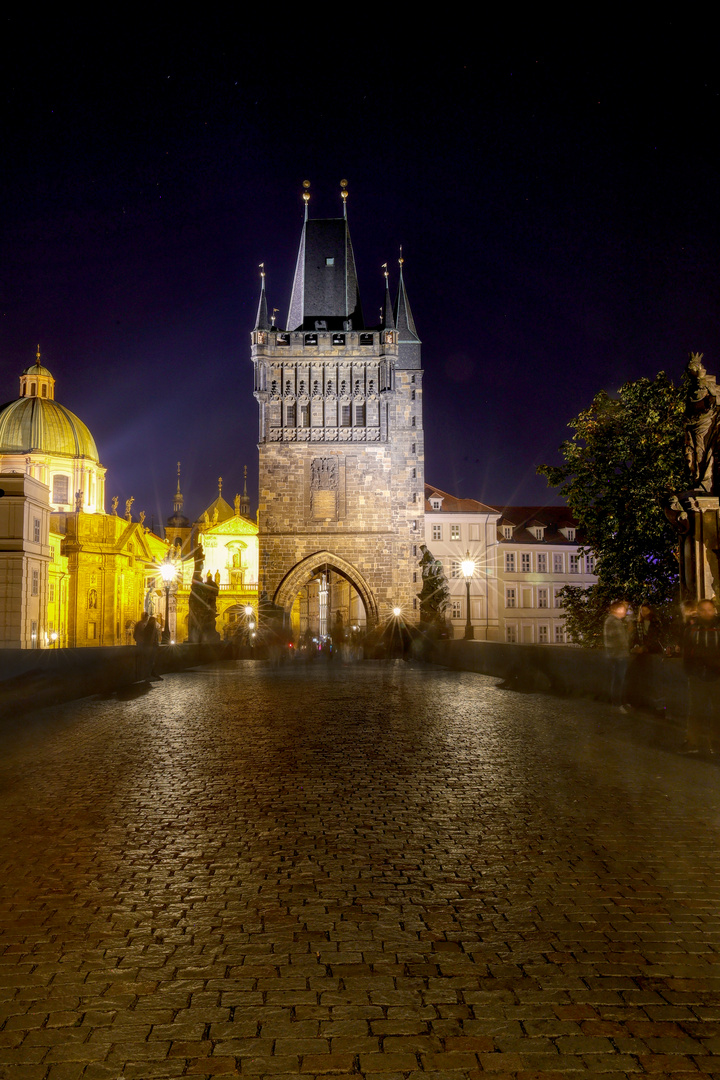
{"points": [[261, 322]]}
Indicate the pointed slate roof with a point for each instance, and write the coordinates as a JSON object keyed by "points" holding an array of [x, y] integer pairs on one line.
{"points": [[403, 315], [262, 322], [325, 286], [388, 317]]}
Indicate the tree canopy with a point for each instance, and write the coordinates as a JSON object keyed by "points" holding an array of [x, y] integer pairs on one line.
{"points": [[625, 457]]}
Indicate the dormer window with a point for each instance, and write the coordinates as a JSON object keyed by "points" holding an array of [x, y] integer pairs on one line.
{"points": [[507, 532], [538, 532], [436, 504], [570, 534]]}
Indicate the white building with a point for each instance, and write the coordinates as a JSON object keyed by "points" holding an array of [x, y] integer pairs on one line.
{"points": [[523, 557], [537, 554]]}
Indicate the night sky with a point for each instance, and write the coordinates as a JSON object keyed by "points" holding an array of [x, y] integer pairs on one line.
{"points": [[557, 199]]}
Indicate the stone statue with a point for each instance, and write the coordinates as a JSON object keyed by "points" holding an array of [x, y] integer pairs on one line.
{"points": [[114, 504], [78, 501], [702, 408], [202, 605], [237, 506], [205, 518], [215, 516], [142, 516], [199, 558], [128, 505]]}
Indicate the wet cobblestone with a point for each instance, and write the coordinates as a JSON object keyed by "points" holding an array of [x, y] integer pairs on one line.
{"points": [[386, 870]]}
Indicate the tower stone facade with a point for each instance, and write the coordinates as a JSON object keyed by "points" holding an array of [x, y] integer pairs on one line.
{"points": [[341, 434]]}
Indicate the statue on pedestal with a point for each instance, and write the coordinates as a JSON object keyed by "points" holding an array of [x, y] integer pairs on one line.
{"points": [[702, 408], [202, 604]]}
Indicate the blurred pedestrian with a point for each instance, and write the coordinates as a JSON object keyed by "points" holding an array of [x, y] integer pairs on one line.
{"points": [[617, 650], [702, 663], [645, 641]]}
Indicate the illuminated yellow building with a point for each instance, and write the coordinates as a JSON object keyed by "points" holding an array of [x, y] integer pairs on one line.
{"points": [[229, 540], [72, 575]]}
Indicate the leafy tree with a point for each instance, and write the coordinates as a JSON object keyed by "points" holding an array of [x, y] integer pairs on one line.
{"points": [[435, 594], [625, 457]]}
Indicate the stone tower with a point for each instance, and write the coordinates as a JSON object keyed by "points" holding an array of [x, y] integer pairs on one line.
{"points": [[341, 433]]}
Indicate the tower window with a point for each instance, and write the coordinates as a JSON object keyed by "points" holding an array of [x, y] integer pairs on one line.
{"points": [[304, 416], [44, 390], [366, 339], [412, 422], [330, 260], [345, 420], [338, 339], [282, 339], [360, 415], [311, 339], [290, 416]]}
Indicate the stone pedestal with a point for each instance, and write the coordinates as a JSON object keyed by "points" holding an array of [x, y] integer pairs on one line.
{"points": [[699, 547]]}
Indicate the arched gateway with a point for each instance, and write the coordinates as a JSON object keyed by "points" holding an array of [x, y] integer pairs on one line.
{"points": [[301, 573], [341, 449]]}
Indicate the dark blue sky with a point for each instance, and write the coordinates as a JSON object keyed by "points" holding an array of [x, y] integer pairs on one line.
{"points": [[556, 196]]}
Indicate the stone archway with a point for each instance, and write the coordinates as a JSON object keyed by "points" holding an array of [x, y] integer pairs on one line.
{"points": [[301, 573]]}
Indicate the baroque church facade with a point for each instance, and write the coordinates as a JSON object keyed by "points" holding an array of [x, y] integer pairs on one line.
{"points": [[341, 448]]}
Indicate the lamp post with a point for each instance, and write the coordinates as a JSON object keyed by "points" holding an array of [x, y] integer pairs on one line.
{"points": [[468, 569], [167, 573]]}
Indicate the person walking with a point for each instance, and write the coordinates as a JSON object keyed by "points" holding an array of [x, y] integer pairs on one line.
{"points": [[702, 664], [617, 650]]}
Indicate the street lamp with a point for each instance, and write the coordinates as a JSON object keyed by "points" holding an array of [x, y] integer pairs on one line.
{"points": [[468, 569], [167, 573]]}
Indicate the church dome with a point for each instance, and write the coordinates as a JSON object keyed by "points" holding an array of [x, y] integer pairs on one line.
{"points": [[33, 423], [37, 422]]}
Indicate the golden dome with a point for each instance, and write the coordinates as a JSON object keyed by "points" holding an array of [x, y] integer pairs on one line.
{"points": [[33, 423]]}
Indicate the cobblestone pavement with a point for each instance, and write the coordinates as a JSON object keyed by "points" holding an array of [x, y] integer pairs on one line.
{"points": [[386, 870]]}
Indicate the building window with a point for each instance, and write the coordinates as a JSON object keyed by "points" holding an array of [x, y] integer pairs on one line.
{"points": [[412, 395], [507, 532], [525, 562], [454, 532], [35, 582], [290, 416], [510, 562], [52, 592], [538, 533], [437, 532], [457, 609], [571, 534], [589, 564], [311, 339], [304, 416], [511, 635], [414, 576], [412, 448], [338, 339], [412, 422], [574, 564], [542, 562], [455, 568], [559, 635], [474, 532], [360, 415], [509, 598], [542, 635], [414, 474], [345, 416], [36, 530], [557, 598], [557, 564], [330, 260], [60, 489], [415, 551], [542, 598]]}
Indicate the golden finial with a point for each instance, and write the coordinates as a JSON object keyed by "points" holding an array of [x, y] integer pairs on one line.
{"points": [[386, 272], [344, 195], [178, 472], [262, 271], [37, 356], [274, 315], [306, 196], [401, 260], [219, 486]]}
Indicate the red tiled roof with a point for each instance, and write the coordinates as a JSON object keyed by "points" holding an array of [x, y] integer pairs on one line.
{"points": [[455, 506]]}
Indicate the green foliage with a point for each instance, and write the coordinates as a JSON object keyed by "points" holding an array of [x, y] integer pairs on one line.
{"points": [[625, 457], [435, 594]]}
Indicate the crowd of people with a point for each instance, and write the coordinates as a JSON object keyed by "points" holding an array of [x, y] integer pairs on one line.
{"points": [[631, 639]]}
